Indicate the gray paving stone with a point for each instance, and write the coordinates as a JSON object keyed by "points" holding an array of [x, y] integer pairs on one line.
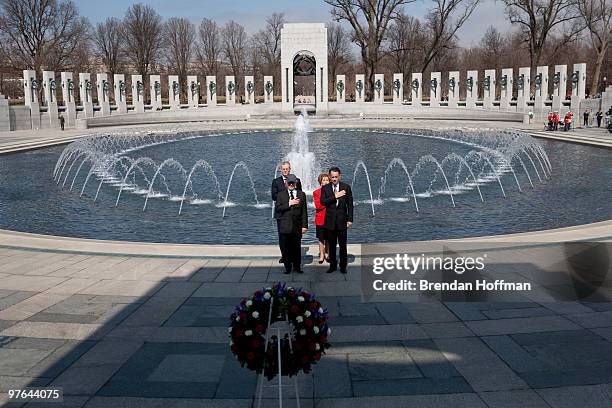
{"points": [[466, 311], [463, 400], [68, 402], [14, 297], [592, 320], [154, 312], [382, 366], [521, 325], [482, 368], [138, 402], [60, 359], [17, 362], [33, 343], [14, 382], [512, 399], [189, 368], [5, 324], [567, 377], [430, 360], [377, 333], [555, 337], [411, 386], [446, 329], [331, 378], [514, 355], [511, 313], [62, 318], [237, 381], [592, 396], [580, 354], [395, 313]]}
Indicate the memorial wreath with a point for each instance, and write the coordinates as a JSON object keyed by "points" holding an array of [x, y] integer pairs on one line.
{"points": [[302, 347]]}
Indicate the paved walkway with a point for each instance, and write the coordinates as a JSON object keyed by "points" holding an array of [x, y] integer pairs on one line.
{"points": [[117, 331]]}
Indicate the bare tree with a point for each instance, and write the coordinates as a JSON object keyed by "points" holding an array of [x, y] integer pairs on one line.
{"points": [[180, 35], [142, 34], [443, 21], [235, 43], [491, 46], [338, 50], [370, 20], [597, 18], [406, 38], [209, 47], [107, 40], [537, 20], [41, 34], [268, 41]]}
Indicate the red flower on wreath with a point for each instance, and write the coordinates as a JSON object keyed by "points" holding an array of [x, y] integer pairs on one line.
{"points": [[250, 355], [295, 309], [260, 328], [308, 322]]}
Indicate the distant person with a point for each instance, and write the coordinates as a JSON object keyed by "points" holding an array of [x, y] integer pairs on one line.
{"points": [[567, 121], [599, 117], [292, 216], [320, 218], [280, 183], [338, 200], [585, 116], [61, 121], [550, 121], [555, 120]]}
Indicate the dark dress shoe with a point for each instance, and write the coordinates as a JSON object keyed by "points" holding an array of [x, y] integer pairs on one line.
{"points": [[281, 260], [287, 271], [343, 271], [330, 270], [299, 271]]}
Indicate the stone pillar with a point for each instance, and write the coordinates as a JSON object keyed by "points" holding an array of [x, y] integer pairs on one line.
{"points": [[249, 89], [578, 86], [471, 89], [360, 88], [174, 92], [49, 87], [454, 79], [488, 89], [138, 93], [379, 88], [559, 86], [193, 91], [340, 88], [230, 90], [5, 116], [155, 92], [416, 88], [268, 89], [523, 86], [68, 87], [435, 88], [505, 86], [30, 92], [541, 88], [85, 90], [397, 89], [102, 87], [211, 91], [120, 88]]}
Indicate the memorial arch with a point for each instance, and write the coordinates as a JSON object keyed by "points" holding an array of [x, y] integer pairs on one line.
{"points": [[304, 57]]}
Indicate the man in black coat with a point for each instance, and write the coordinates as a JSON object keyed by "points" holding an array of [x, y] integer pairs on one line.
{"points": [[292, 220], [337, 197], [279, 184]]}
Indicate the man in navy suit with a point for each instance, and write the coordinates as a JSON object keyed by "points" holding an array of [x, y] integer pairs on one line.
{"points": [[292, 216], [280, 184], [337, 197]]}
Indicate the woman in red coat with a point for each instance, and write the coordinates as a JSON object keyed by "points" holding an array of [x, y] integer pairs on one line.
{"points": [[320, 218]]}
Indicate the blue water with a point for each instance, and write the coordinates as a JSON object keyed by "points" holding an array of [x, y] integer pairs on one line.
{"points": [[577, 192]]}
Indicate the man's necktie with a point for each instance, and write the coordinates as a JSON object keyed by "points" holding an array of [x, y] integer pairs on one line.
{"points": [[335, 191], [291, 192]]}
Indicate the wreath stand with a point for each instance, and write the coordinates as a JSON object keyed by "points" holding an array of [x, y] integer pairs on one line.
{"points": [[285, 330]]}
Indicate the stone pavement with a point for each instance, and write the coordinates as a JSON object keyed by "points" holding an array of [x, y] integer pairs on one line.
{"points": [[121, 331]]}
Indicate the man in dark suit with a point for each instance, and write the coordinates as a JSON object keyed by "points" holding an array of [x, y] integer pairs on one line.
{"points": [[292, 217], [337, 197], [279, 184]]}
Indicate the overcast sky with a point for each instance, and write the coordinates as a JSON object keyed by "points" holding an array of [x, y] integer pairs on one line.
{"points": [[252, 13]]}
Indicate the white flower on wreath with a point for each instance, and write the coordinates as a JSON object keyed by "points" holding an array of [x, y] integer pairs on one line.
{"points": [[307, 313], [255, 314], [328, 331], [315, 329], [248, 332], [299, 319], [267, 295], [303, 332], [301, 298], [320, 310], [318, 346], [229, 329], [237, 318], [249, 303]]}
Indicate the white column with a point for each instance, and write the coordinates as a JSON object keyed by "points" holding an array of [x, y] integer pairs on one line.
{"points": [[340, 88], [102, 87], [505, 85], [268, 89], [541, 88], [559, 86], [578, 86], [416, 88], [138, 93], [379, 88], [523, 89], [68, 87], [120, 88], [471, 89], [488, 88], [211, 91], [30, 92], [322, 85], [435, 87], [193, 91], [454, 79], [49, 87], [249, 89], [360, 88], [230, 90], [397, 88], [155, 92], [174, 92], [85, 90]]}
